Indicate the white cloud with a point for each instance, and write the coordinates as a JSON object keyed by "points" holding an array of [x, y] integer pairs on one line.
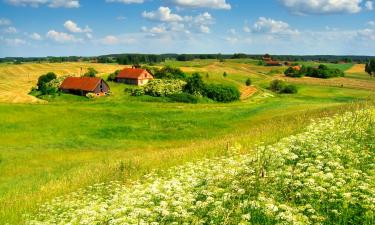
{"points": [[4, 22], [214, 4], [61, 37], [155, 30], [14, 42], [204, 18], [163, 14], [371, 23], [110, 40], [10, 30], [64, 4], [270, 26], [369, 5], [50, 3], [116, 40], [322, 6], [204, 29], [126, 1], [35, 36], [74, 28], [366, 34]]}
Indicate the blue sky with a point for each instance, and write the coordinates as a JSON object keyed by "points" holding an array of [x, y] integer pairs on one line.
{"points": [[95, 27]]}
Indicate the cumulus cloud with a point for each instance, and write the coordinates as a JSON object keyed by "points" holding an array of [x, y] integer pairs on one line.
{"points": [[36, 36], [14, 42], [110, 40], [10, 30], [163, 14], [155, 30], [214, 4], [49, 3], [126, 1], [61, 37], [369, 5], [4, 22], [74, 28], [322, 6], [270, 26]]}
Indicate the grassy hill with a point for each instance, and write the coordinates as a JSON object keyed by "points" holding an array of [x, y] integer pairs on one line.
{"points": [[55, 148]]}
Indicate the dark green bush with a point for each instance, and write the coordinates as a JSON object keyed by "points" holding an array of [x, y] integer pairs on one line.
{"points": [[222, 93], [184, 97], [195, 85], [248, 82], [168, 72], [91, 72], [291, 72], [43, 81], [112, 76], [289, 89], [281, 87], [322, 71]]}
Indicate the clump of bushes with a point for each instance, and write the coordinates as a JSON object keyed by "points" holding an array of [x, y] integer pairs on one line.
{"points": [[222, 93], [91, 72], [322, 71], [168, 72], [44, 85], [248, 82], [112, 76], [281, 87], [161, 87], [195, 85]]}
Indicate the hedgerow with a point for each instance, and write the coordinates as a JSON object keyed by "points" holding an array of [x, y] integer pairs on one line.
{"points": [[322, 176]]}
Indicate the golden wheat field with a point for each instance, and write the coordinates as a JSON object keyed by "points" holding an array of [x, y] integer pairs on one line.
{"points": [[17, 80]]}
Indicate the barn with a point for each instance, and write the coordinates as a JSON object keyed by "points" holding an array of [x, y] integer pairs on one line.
{"points": [[134, 76], [84, 85]]}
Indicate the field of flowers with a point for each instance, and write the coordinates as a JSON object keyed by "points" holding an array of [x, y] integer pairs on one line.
{"points": [[324, 175]]}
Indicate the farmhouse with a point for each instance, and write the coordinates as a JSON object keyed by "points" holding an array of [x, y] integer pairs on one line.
{"points": [[273, 63], [84, 85], [135, 76]]}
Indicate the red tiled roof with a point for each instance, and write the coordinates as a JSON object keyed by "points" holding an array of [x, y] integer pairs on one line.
{"points": [[80, 83], [273, 63], [132, 73]]}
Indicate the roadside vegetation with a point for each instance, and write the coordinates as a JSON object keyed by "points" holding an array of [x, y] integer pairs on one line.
{"points": [[322, 71]]}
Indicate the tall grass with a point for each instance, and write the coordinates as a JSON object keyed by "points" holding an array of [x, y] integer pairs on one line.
{"points": [[323, 175]]}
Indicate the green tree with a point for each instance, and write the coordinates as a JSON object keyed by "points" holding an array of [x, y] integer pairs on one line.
{"points": [[44, 80], [225, 74], [168, 72], [370, 67], [248, 82], [195, 85], [91, 72], [112, 76]]}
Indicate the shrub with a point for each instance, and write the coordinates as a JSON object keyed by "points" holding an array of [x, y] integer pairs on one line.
{"points": [[291, 72], [222, 93], [289, 89], [321, 72], [159, 87], [91, 72], [281, 87], [248, 82], [184, 97], [43, 81], [277, 85], [91, 95], [138, 91], [168, 72], [112, 76], [225, 74], [195, 85]]}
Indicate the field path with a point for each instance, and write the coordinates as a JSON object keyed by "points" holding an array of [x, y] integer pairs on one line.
{"points": [[17, 80]]}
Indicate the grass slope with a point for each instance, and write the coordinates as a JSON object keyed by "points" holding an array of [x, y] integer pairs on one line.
{"points": [[71, 142]]}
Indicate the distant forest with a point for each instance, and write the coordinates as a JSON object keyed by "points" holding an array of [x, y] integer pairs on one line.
{"points": [[126, 59]]}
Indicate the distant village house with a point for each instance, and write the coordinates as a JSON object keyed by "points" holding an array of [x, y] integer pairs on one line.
{"points": [[84, 85], [269, 62], [134, 76]]}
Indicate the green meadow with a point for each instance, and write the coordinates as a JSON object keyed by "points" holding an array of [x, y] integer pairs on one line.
{"points": [[67, 142]]}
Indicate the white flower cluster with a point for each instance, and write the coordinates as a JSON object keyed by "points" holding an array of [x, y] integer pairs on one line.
{"points": [[322, 176]]}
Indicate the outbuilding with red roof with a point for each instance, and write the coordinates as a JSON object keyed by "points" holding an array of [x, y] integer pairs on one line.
{"points": [[134, 76], [84, 85]]}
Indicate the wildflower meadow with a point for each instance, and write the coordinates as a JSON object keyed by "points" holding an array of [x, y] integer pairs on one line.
{"points": [[324, 175]]}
